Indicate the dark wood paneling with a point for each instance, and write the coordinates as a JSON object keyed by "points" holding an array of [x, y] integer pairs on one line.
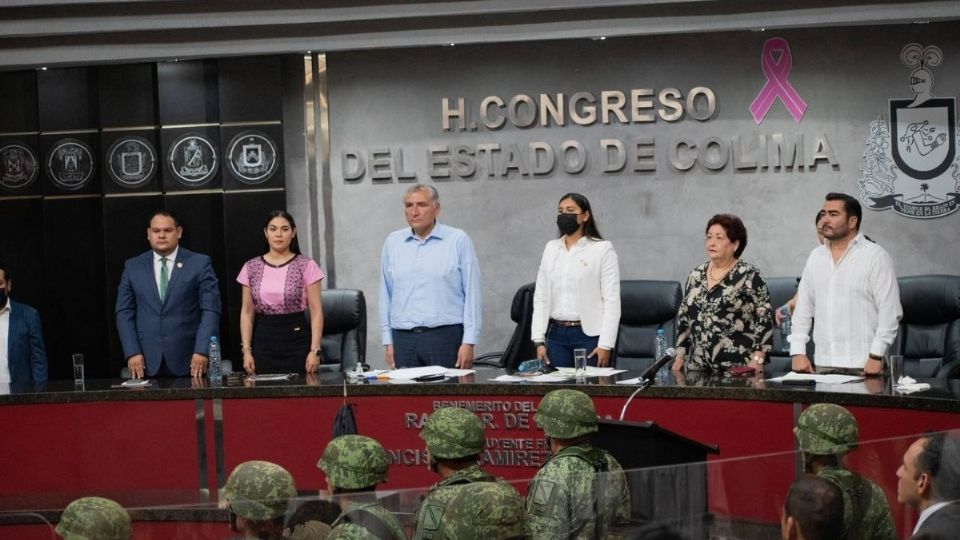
{"points": [[128, 95], [73, 264]]}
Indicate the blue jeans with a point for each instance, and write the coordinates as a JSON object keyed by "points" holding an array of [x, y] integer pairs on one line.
{"points": [[562, 340], [427, 346]]}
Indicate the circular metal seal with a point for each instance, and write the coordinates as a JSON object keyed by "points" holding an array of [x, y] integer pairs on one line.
{"points": [[18, 166], [193, 159], [70, 164], [252, 157], [131, 161]]}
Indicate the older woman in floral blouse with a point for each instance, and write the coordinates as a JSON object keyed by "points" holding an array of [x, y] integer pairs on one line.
{"points": [[725, 318]]}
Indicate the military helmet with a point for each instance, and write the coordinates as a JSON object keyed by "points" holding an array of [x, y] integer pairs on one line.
{"points": [[565, 414], [354, 462], [94, 518], [826, 429], [483, 511], [453, 433], [259, 490]]}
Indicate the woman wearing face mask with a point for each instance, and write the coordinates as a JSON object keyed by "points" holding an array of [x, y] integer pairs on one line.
{"points": [[277, 287], [725, 318], [576, 304]]}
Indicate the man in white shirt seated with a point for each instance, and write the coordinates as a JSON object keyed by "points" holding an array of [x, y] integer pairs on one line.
{"points": [[849, 286], [929, 481]]}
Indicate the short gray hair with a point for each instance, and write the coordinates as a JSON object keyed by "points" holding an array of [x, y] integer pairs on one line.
{"points": [[434, 194]]}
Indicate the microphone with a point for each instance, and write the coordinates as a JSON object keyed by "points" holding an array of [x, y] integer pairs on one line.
{"points": [[651, 372], [648, 376]]}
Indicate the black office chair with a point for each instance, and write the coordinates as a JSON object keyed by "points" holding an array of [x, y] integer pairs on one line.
{"points": [[520, 347], [929, 337], [781, 289], [344, 327], [645, 307]]}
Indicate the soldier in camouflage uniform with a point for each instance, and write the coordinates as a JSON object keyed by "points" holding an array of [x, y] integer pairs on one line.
{"points": [[478, 511], [94, 518], [825, 433], [257, 494], [455, 440], [581, 490], [354, 465]]}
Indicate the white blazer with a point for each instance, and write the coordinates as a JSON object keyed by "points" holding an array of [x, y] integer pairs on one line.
{"points": [[598, 291]]}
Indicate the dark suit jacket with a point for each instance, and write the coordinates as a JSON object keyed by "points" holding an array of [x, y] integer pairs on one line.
{"points": [[178, 327], [944, 523], [26, 355]]}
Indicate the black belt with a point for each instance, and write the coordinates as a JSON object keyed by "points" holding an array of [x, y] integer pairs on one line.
{"points": [[564, 323], [422, 329]]}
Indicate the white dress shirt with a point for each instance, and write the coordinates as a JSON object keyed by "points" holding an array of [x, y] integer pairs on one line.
{"points": [[582, 283], [855, 302], [5, 343], [929, 512], [563, 283], [171, 263]]}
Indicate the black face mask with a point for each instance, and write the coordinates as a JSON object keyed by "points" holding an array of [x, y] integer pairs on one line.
{"points": [[567, 223]]}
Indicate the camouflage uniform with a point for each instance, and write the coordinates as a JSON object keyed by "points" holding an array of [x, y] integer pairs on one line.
{"points": [[94, 518], [825, 429], [455, 433], [259, 490], [581, 490], [474, 511], [310, 530], [358, 462]]}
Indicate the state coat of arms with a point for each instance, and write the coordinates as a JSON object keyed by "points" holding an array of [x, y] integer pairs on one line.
{"points": [[910, 164]]}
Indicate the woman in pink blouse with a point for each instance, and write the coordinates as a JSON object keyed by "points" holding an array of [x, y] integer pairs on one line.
{"points": [[275, 334]]}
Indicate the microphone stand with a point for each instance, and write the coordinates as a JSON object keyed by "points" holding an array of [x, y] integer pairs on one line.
{"points": [[643, 384]]}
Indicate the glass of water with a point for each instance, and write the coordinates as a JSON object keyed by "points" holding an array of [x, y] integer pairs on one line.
{"points": [[78, 378], [580, 362]]}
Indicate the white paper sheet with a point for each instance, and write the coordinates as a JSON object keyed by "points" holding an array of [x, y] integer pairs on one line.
{"points": [[403, 374], [459, 372], [593, 371], [136, 382], [271, 377], [556, 376], [833, 378]]}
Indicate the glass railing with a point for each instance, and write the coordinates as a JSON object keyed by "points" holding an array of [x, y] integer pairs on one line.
{"points": [[739, 498]]}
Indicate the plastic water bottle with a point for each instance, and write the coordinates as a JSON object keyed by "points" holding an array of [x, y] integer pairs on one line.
{"points": [[214, 372], [785, 328], [660, 348], [531, 366]]}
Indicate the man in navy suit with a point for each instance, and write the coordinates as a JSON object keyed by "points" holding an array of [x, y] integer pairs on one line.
{"points": [[168, 305], [23, 358]]}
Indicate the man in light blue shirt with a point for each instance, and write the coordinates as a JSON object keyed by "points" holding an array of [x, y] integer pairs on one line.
{"points": [[429, 289]]}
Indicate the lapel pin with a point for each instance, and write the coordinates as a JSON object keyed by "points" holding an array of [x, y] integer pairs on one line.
{"points": [[179, 265]]}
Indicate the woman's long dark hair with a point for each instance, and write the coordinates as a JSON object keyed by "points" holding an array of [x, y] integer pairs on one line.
{"points": [[294, 244], [590, 226]]}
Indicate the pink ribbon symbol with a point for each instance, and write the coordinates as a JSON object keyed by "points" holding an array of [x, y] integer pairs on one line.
{"points": [[777, 84]]}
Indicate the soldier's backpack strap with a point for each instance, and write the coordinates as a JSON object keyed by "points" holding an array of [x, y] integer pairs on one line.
{"points": [[598, 460], [373, 523], [592, 455], [865, 494]]}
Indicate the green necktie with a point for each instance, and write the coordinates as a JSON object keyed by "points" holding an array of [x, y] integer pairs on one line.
{"points": [[164, 278]]}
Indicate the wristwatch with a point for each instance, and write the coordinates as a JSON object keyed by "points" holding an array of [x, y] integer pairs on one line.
{"points": [[318, 352], [876, 357], [537, 343]]}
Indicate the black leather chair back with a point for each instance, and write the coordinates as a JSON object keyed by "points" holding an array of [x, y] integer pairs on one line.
{"points": [[520, 347], [645, 306], [783, 289], [344, 327], [929, 337]]}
